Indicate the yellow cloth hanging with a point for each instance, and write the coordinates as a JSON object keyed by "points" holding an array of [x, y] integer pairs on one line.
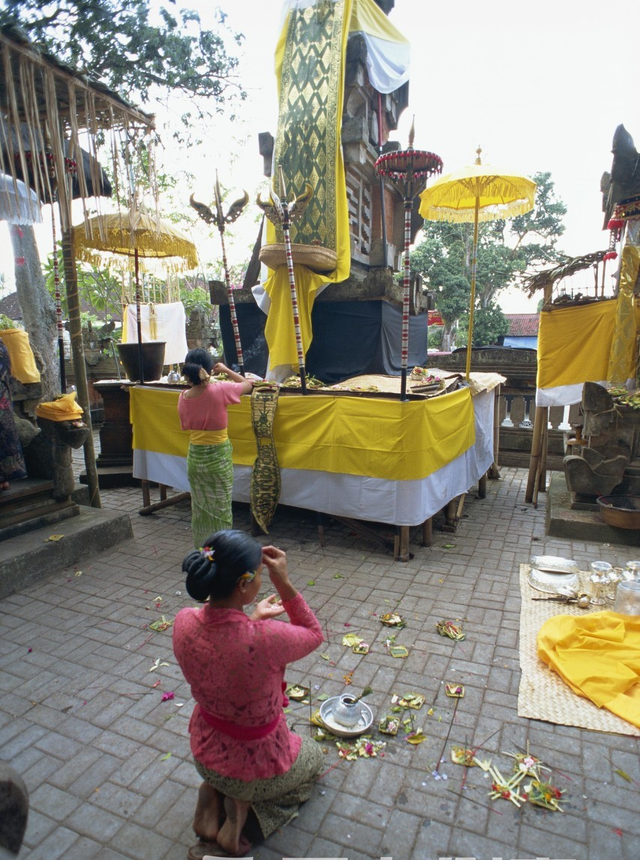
{"points": [[279, 329], [598, 656], [574, 343], [64, 408], [623, 355], [23, 363]]}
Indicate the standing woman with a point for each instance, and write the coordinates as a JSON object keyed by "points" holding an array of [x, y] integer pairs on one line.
{"points": [[203, 411]]}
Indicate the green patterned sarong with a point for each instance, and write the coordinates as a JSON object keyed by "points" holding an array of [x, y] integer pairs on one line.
{"points": [[274, 801], [210, 473]]}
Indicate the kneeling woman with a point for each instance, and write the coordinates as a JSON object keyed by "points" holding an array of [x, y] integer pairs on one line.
{"points": [[243, 749]]}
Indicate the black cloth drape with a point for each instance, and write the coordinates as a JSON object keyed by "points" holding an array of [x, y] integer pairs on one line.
{"points": [[349, 339]]}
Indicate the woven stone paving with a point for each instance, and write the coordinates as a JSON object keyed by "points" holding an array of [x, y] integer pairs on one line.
{"points": [[107, 762]]}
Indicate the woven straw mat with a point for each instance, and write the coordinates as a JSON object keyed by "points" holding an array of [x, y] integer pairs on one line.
{"points": [[543, 695]]}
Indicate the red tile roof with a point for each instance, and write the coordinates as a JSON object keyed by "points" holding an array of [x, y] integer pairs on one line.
{"points": [[523, 325]]}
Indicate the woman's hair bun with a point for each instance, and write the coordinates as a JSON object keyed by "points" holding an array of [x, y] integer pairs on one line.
{"points": [[213, 572], [201, 570]]}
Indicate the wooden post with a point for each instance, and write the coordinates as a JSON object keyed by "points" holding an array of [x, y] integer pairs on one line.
{"points": [[539, 422], [494, 468], [401, 544], [79, 366], [542, 478], [427, 532]]}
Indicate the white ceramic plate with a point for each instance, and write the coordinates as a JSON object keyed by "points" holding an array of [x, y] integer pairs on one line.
{"points": [[365, 719], [553, 583], [554, 564]]}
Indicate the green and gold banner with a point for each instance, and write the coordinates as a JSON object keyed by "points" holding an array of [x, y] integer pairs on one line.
{"points": [[310, 62]]}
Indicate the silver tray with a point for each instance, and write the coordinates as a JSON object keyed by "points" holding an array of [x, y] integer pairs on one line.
{"points": [[365, 719], [553, 583], [554, 564]]}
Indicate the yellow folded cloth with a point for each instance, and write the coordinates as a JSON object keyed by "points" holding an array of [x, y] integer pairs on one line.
{"points": [[64, 408], [598, 656], [23, 363]]}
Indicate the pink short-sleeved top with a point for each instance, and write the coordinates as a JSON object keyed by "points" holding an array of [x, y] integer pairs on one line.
{"points": [[209, 410], [235, 667]]}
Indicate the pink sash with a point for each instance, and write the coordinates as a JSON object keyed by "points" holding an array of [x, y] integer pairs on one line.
{"points": [[239, 733]]}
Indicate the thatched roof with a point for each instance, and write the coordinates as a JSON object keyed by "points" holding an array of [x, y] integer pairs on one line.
{"points": [[549, 277], [75, 95], [47, 109]]}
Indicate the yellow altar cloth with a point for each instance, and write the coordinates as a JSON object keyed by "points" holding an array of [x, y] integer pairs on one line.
{"points": [[385, 439], [379, 436]]}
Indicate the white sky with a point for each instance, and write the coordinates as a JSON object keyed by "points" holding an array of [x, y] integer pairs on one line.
{"points": [[540, 87]]}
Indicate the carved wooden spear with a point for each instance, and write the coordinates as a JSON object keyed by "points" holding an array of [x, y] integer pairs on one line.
{"points": [[220, 220]]}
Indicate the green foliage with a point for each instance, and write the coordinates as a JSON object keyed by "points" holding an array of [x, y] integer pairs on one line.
{"points": [[506, 250], [434, 336], [195, 299], [7, 323], [138, 50], [489, 324], [99, 292]]}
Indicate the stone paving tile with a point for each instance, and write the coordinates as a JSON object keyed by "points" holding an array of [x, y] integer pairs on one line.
{"points": [[80, 719]]}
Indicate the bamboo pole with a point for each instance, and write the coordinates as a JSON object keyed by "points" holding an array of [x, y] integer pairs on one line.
{"points": [[539, 420], [542, 481], [474, 271], [494, 468], [79, 366]]}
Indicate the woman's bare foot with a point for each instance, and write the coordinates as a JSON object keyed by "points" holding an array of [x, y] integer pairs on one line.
{"points": [[230, 834], [206, 821]]}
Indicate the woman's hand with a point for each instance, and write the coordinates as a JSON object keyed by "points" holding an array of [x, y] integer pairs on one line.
{"points": [[270, 607], [275, 560], [247, 384]]}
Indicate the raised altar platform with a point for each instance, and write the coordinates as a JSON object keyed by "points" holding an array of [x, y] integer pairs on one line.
{"points": [[376, 460]]}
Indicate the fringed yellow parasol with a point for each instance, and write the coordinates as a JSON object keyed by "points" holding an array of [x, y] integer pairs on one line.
{"points": [[473, 194], [136, 234]]}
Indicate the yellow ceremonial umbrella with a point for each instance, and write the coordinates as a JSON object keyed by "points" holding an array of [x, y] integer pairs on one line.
{"points": [[135, 233], [473, 194]]}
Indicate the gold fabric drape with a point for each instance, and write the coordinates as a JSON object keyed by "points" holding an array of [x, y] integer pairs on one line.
{"points": [[623, 355]]}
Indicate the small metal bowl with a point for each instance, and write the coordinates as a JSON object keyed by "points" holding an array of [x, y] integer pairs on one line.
{"points": [[365, 719]]}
